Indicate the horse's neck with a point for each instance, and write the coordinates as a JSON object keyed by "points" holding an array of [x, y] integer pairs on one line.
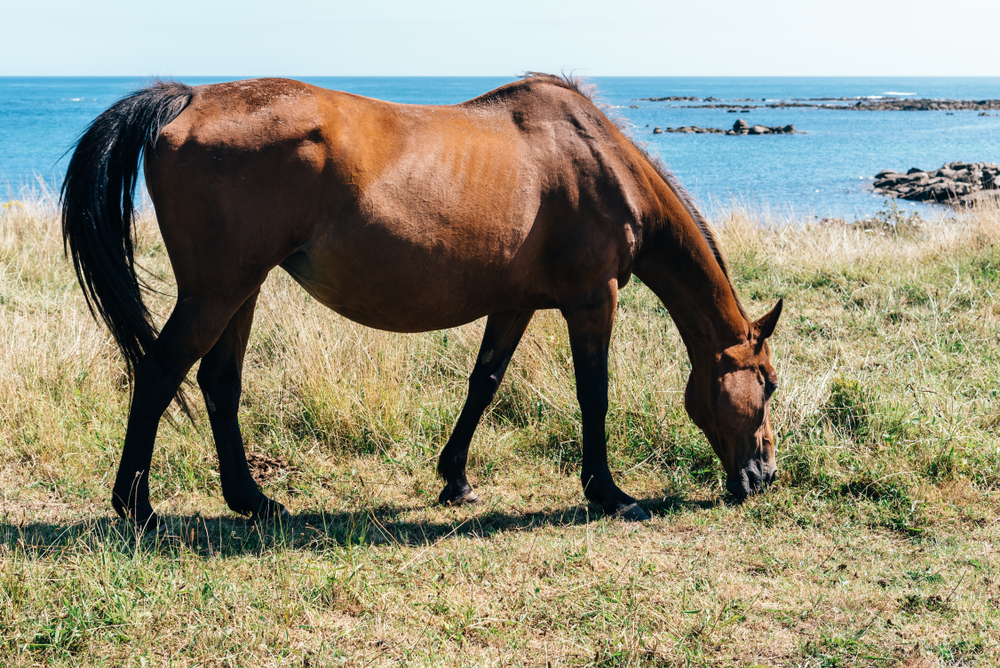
{"points": [[678, 265]]}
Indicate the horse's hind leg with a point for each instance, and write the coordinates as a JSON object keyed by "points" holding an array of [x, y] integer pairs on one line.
{"points": [[589, 338], [221, 378], [188, 334], [503, 333]]}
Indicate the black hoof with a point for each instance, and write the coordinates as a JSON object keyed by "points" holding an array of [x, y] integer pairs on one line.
{"points": [[272, 512], [140, 516], [631, 513], [452, 497], [159, 534]]}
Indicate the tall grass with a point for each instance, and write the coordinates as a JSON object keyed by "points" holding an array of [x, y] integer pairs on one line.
{"points": [[874, 547]]}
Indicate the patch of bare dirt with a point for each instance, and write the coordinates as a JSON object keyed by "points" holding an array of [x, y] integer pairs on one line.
{"points": [[267, 468]]}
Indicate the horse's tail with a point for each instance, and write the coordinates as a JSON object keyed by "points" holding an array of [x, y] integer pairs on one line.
{"points": [[98, 213]]}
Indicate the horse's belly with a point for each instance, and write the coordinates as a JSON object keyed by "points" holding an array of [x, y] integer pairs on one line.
{"points": [[406, 296]]}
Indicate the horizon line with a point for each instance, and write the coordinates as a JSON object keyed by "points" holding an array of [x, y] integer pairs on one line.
{"points": [[496, 76]]}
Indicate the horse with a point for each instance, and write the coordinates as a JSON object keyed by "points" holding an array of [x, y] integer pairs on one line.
{"points": [[407, 218]]}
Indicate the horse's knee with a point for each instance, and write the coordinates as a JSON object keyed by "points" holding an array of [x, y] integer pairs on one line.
{"points": [[483, 387], [221, 389]]}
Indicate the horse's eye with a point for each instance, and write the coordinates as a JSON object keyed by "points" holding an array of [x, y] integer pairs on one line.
{"points": [[769, 388]]}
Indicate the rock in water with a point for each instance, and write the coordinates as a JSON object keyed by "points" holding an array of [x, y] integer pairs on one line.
{"points": [[956, 183]]}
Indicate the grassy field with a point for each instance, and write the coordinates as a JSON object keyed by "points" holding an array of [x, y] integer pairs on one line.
{"points": [[876, 547]]}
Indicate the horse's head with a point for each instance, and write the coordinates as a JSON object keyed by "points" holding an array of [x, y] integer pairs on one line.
{"points": [[728, 396]]}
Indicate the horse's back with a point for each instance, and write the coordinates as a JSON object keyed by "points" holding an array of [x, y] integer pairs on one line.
{"points": [[399, 216]]}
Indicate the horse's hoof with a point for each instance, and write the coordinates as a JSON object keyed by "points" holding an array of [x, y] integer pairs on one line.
{"points": [[449, 498], [153, 527], [272, 512], [161, 535], [632, 513]]}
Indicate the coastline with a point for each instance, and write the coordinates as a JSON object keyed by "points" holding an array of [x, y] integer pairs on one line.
{"points": [[827, 171]]}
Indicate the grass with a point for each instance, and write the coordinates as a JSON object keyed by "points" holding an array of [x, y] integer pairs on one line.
{"points": [[876, 547]]}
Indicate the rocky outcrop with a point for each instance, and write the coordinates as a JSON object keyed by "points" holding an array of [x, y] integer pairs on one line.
{"points": [[740, 127], [691, 130], [954, 183], [672, 98], [901, 104], [854, 104]]}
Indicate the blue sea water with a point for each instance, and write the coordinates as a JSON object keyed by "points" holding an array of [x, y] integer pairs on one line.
{"points": [[825, 172]]}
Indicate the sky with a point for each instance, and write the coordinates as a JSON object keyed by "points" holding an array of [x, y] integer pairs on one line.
{"points": [[505, 38]]}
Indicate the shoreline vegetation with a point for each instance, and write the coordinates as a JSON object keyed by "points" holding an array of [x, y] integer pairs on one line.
{"points": [[877, 546]]}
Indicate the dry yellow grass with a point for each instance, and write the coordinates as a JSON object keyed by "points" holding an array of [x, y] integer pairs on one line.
{"points": [[876, 547]]}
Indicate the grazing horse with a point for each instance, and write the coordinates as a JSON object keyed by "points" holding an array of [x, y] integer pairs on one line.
{"points": [[406, 218]]}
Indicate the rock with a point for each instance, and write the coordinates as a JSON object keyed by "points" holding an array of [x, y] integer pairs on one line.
{"points": [[740, 127], [854, 104], [694, 129], [669, 98], [932, 194], [891, 180], [954, 183]]}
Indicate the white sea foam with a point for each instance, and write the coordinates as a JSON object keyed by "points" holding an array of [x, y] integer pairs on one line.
{"points": [[892, 92]]}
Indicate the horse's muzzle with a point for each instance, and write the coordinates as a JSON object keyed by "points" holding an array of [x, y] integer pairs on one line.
{"points": [[752, 478]]}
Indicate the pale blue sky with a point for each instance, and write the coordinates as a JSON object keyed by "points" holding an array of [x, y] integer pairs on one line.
{"points": [[452, 37]]}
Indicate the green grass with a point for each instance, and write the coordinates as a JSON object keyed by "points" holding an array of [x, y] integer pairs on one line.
{"points": [[876, 546]]}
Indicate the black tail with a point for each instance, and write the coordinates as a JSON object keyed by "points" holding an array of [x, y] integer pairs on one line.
{"points": [[97, 211]]}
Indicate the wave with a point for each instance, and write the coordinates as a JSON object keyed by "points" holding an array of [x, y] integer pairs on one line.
{"points": [[897, 94]]}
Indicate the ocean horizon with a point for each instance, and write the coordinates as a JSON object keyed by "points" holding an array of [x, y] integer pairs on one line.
{"points": [[825, 172]]}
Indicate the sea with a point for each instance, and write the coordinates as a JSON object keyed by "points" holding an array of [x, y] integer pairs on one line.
{"points": [[827, 171]]}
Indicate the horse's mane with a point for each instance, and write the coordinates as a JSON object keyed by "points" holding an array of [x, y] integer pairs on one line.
{"points": [[589, 92]]}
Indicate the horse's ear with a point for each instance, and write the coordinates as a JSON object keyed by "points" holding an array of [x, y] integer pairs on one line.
{"points": [[765, 326]]}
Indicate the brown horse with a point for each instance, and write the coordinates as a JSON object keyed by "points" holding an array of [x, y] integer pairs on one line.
{"points": [[406, 218]]}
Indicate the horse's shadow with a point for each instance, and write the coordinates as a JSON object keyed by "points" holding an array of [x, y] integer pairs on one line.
{"points": [[233, 536]]}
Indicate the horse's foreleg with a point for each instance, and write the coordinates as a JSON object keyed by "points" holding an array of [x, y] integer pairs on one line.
{"points": [[589, 337], [221, 379], [188, 334], [503, 333]]}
